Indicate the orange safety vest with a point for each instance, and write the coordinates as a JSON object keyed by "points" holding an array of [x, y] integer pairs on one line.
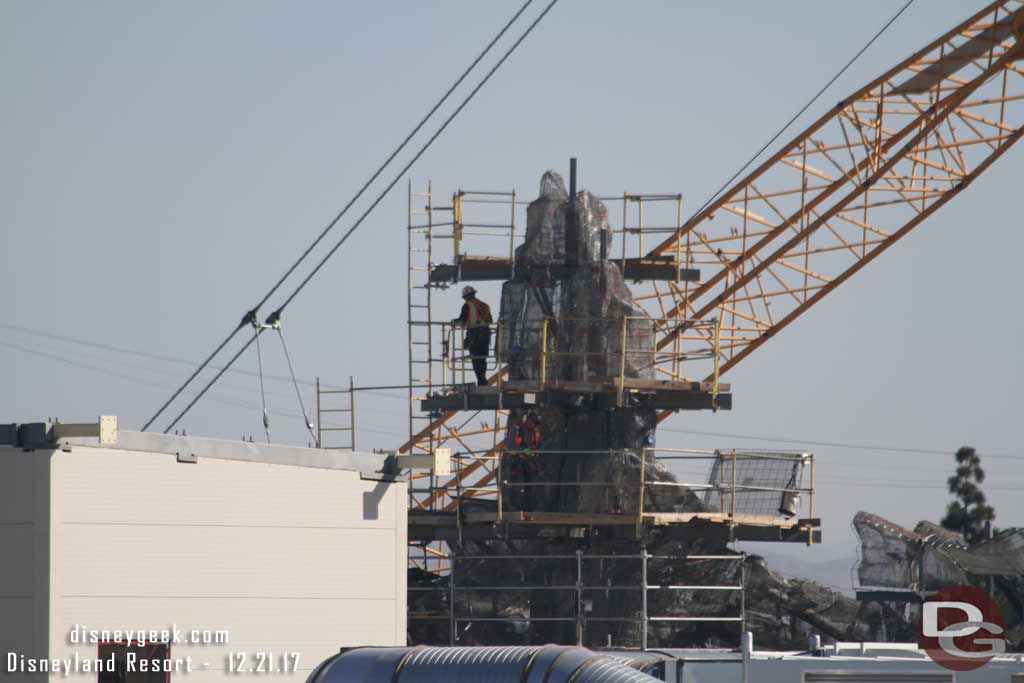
{"points": [[479, 314]]}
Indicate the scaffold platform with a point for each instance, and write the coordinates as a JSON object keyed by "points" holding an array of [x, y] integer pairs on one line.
{"points": [[497, 268], [615, 392], [428, 526]]}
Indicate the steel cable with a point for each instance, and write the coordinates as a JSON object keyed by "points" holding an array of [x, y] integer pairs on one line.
{"points": [[263, 397], [277, 313], [298, 394], [251, 315], [800, 113]]}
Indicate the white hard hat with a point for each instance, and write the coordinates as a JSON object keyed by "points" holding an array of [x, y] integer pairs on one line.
{"points": [[467, 291]]}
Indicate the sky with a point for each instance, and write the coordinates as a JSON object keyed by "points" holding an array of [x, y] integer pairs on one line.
{"points": [[164, 163]]}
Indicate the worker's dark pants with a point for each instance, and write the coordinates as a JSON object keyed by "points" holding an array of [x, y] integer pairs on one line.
{"points": [[478, 343]]}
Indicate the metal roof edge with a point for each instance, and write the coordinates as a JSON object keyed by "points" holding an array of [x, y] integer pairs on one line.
{"points": [[189, 448]]}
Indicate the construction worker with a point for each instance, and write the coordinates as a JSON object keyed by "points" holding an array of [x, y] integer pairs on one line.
{"points": [[476, 318], [522, 443], [527, 438]]}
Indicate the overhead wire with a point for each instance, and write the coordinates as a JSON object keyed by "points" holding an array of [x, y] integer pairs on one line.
{"points": [[416, 158], [250, 316], [372, 427], [152, 356], [79, 362], [374, 390], [118, 374], [800, 113], [220, 399], [380, 391], [277, 313]]}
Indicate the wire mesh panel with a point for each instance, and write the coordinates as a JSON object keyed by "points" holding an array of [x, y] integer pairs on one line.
{"points": [[755, 482], [609, 599]]}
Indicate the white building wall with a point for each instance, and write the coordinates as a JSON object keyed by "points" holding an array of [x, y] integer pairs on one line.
{"points": [[285, 559], [24, 549], [911, 667]]}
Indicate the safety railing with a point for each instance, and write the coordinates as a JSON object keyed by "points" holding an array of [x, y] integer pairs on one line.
{"points": [[479, 228], [760, 487], [457, 361], [630, 350], [742, 484], [326, 428], [653, 215], [479, 220], [462, 570], [637, 353], [522, 490]]}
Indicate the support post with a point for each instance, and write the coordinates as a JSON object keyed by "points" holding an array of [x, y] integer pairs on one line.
{"points": [[544, 353], [512, 240], [810, 507], [458, 496], [732, 514], [579, 597], [643, 603], [622, 362], [625, 218], [743, 598], [318, 432], [640, 506], [457, 223], [640, 225], [451, 599], [447, 355], [352, 410], [498, 349], [679, 242]]}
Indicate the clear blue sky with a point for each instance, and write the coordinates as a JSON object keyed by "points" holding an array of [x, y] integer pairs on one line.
{"points": [[165, 162]]}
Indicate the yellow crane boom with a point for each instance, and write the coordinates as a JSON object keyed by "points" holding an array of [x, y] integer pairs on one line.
{"points": [[830, 201], [853, 183]]}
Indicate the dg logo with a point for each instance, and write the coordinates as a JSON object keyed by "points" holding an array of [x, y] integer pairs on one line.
{"points": [[961, 628]]}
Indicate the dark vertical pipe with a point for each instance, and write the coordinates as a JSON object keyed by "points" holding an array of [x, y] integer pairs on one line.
{"points": [[571, 222], [572, 236]]}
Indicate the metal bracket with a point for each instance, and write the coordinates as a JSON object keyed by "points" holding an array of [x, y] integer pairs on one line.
{"points": [[105, 429], [439, 461]]}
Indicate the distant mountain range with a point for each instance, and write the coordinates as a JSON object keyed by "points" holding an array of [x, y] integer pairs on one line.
{"points": [[836, 573]]}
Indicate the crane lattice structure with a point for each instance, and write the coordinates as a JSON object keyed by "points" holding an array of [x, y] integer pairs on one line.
{"points": [[853, 183], [776, 242]]}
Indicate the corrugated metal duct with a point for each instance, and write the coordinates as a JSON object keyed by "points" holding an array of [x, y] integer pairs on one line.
{"points": [[544, 664]]}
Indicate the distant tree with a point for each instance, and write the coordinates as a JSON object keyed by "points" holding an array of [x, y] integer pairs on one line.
{"points": [[968, 513]]}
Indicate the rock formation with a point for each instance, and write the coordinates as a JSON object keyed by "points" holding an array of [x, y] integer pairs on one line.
{"points": [[584, 457]]}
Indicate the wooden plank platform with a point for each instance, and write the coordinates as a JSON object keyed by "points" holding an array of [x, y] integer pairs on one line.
{"points": [[612, 384], [655, 518], [657, 394], [748, 519], [426, 526], [479, 268]]}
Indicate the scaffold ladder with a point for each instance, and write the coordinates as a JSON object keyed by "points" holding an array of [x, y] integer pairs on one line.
{"points": [[340, 434]]}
